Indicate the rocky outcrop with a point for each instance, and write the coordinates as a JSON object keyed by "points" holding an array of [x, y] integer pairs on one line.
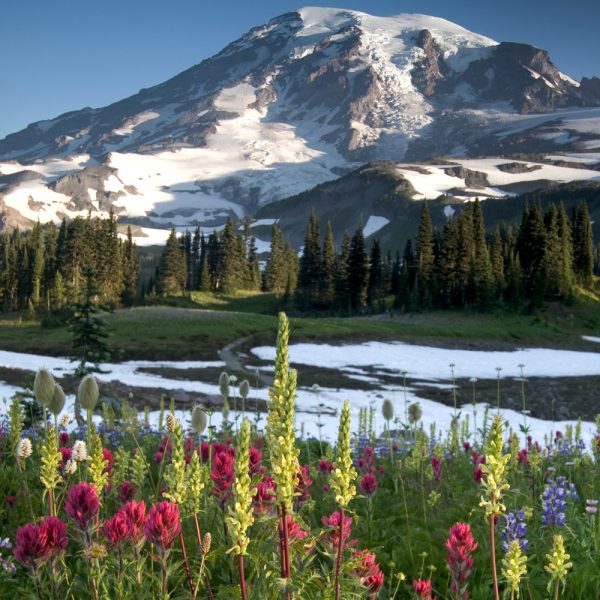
{"points": [[522, 75], [431, 68], [473, 179], [518, 167], [590, 91]]}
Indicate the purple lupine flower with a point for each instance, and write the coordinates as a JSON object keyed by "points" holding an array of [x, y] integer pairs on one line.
{"points": [[554, 500], [514, 529]]}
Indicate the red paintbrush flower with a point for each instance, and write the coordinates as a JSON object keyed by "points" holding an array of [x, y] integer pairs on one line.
{"points": [[118, 529], [82, 504], [423, 589], [55, 531], [136, 513], [368, 484], [31, 544], [460, 546], [163, 525], [223, 475]]}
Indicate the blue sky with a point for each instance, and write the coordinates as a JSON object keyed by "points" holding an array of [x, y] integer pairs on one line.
{"points": [[63, 55]]}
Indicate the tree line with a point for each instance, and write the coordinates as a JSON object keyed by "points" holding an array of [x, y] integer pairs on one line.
{"points": [[46, 269], [545, 257]]}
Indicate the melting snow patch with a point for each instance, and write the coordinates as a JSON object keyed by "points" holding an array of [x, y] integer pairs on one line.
{"points": [[374, 224]]}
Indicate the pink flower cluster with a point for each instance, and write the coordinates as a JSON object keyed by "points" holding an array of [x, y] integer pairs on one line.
{"points": [[368, 571], [423, 590], [37, 543]]}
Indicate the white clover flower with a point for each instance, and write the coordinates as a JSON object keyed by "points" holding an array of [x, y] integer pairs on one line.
{"points": [[24, 448], [79, 451]]}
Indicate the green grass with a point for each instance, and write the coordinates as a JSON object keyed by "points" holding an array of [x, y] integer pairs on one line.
{"points": [[183, 331]]}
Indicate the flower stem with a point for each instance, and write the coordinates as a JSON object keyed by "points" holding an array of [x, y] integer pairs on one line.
{"points": [[186, 563], [338, 560], [493, 551], [242, 578]]}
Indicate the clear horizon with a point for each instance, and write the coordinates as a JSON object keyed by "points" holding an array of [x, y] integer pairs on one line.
{"points": [[63, 57]]}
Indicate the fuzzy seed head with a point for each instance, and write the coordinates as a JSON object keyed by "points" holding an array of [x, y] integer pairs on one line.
{"points": [[58, 400], [206, 543], [199, 419], [387, 409], [43, 387], [171, 423], [88, 392], [244, 388], [224, 385]]}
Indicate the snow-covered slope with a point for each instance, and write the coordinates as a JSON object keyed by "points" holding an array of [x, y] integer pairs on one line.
{"points": [[291, 104]]}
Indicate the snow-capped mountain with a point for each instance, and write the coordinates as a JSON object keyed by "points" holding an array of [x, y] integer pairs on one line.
{"points": [[298, 101]]}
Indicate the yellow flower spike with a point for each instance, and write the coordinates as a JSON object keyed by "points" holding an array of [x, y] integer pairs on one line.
{"points": [[494, 484], [50, 460], [175, 479], [280, 431], [558, 565], [514, 568], [344, 474], [98, 463], [241, 517], [194, 482]]}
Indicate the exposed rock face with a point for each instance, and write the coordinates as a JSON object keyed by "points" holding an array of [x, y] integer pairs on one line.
{"points": [[590, 91], [524, 76], [473, 179], [517, 167], [431, 68]]}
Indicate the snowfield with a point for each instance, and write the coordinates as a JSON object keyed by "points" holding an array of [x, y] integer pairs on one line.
{"points": [[421, 363]]}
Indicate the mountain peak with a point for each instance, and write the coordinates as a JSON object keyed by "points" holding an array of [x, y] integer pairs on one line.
{"points": [[290, 104]]}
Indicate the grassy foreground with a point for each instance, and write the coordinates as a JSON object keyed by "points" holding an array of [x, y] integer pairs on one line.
{"points": [[198, 326]]}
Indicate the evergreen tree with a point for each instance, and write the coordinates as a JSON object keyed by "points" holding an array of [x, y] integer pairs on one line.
{"points": [[309, 275], [358, 276], [583, 246], [131, 270], [341, 284], [482, 276], [88, 329], [276, 272], [328, 269], [425, 259], [375, 285], [171, 271]]}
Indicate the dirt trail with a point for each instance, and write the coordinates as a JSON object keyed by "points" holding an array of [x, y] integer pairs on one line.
{"points": [[233, 362]]}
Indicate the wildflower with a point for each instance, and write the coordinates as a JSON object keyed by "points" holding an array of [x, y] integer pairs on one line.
{"points": [[325, 467], [82, 504], [79, 451], [368, 484], [70, 467], [223, 476], [255, 458], [66, 454], [422, 588], [558, 564], [95, 551], [304, 482], [514, 567], [514, 529], [344, 475], [118, 529], [64, 421], [494, 484], [241, 517], [460, 546], [162, 525], [55, 531], [199, 420], [368, 571], [295, 532], [331, 538], [127, 491], [43, 387], [264, 495], [63, 438], [554, 500], [436, 465], [108, 457], [31, 544], [88, 393], [24, 449], [136, 514], [367, 462], [57, 402], [591, 507]]}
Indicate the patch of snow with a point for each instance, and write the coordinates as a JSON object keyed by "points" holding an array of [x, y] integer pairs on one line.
{"points": [[374, 224], [591, 338], [260, 222], [130, 124]]}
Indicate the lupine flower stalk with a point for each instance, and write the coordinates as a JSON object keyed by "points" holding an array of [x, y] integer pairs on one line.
{"points": [[241, 516], [50, 462], [281, 437], [342, 482], [514, 567], [558, 566], [494, 485]]}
